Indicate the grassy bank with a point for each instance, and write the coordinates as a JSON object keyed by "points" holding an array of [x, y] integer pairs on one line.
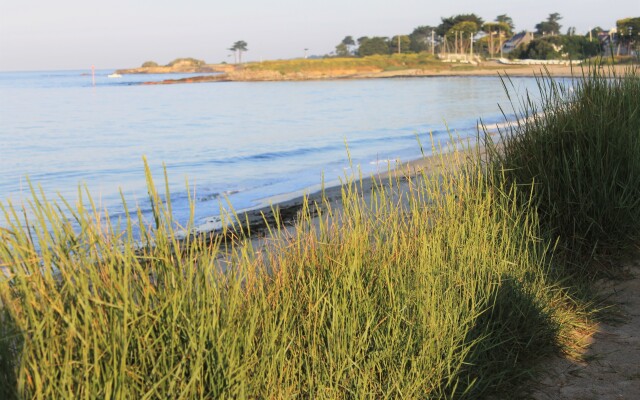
{"points": [[356, 64], [437, 286], [580, 149]]}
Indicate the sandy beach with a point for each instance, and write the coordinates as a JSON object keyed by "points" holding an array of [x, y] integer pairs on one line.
{"points": [[609, 368]]}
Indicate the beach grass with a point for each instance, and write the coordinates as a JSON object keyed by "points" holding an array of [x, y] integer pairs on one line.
{"points": [[580, 150], [436, 291], [438, 285]]}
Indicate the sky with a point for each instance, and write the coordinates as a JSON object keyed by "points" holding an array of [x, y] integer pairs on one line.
{"points": [[75, 34]]}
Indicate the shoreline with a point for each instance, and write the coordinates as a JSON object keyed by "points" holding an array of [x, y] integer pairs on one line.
{"points": [[260, 219], [289, 204], [447, 70]]}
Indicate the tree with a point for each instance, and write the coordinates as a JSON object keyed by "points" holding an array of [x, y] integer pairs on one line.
{"points": [[239, 47], [448, 23], [578, 47], [550, 26], [593, 33], [555, 47], [345, 48], [370, 46], [628, 32], [541, 50], [497, 30], [401, 40], [461, 34], [505, 19], [348, 41], [342, 50], [420, 39], [466, 25]]}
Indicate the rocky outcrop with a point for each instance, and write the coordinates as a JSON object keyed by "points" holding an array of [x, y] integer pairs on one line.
{"points": [[180, 67]]}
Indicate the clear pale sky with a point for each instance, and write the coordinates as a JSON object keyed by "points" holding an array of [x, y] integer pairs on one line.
{"points": [[74, 34]]}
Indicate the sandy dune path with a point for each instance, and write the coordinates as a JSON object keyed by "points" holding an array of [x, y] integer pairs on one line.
{"points": [[612, 367]]}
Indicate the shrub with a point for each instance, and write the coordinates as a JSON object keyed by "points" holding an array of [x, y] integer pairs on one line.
{"points": [[557, 47], [190, 61]]}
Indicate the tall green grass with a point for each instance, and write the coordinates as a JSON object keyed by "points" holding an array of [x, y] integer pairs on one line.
{"points": [[580, 149], [364, 64], [436, 290], [427, 286]]}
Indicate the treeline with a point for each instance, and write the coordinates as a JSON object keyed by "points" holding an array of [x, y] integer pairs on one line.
{"points": [[469, 33]]}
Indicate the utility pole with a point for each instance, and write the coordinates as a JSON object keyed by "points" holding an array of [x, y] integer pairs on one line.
{"points": [[471, 45], [491, 43], [433, 43], [399, 49]]}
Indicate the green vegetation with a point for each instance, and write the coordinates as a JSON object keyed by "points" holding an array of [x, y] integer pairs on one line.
{"points": [[400, 44], [496, 33], [629, 33], [375, 45], [238, 48], [449, 23], [345, 48], [457, 33], [437, 296], [149, 64], [630, 61], [551, 26], [580, 150], [191, 61], [361, 64], [422, 39], [559, 47], [438, 286]]}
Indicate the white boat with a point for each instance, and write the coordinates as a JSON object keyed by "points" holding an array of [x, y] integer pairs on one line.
{"points": [[114, 75]]}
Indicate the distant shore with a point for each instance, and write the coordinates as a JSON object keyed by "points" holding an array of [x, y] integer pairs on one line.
{"points": [[446, 70]]}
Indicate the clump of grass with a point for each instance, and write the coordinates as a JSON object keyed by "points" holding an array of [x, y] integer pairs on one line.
{"points": [[435, 290], [580, 150]]}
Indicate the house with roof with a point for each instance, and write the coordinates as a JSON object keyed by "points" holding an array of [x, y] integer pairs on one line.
{"points": [[522, 38]]}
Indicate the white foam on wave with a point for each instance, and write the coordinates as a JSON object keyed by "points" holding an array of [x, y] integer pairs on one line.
{"points": [[385, 161]]}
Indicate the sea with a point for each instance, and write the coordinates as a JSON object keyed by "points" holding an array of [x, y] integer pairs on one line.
{"points": [[224, 144]]}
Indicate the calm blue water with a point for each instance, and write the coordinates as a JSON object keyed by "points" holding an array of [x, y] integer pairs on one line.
{"points": [[243, 141]]}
